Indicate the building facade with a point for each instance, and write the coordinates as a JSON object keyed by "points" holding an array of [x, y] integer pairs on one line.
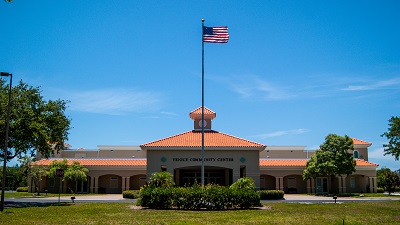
{"points": [[113, 169]]}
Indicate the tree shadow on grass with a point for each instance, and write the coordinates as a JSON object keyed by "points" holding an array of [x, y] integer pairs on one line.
{"points": [[12, 204]]}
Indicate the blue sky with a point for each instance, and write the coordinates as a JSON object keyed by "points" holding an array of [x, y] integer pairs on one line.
{"points": [[292, 72]]}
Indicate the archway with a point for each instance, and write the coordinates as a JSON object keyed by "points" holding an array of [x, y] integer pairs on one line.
{"points": [[110, 184], [267, 182], [212, 175], [137, 181]]}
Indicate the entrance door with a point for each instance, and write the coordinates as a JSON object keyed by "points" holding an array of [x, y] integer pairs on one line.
{"points": [[322, 185], [82, 187], [215, 177]]}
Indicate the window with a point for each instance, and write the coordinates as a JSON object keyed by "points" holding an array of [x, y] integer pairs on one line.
{"points": [[322, 185], [355, 154], [352, 182], [163, 168]]}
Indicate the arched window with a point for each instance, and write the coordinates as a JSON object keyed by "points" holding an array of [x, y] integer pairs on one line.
{"points": [[355, 154]]}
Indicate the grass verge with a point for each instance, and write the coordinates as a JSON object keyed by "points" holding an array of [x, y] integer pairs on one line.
{"points": [[275, 213]]}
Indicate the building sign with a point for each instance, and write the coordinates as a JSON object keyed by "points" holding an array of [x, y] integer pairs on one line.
{"points": [[205, 159]]}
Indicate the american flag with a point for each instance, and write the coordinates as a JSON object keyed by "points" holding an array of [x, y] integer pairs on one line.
{"points": [[215, 34]]}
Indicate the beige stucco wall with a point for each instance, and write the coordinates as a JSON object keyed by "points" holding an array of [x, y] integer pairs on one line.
{"points": [[173, 159]]}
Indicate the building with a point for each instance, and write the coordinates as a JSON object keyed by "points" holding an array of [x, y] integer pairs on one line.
{"points": [[113, 169]]}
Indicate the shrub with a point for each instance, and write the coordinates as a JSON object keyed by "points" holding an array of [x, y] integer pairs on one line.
{"points": [[22, 189], [271, 194], [156, 197], [380, 190], [244, 183], [130, 194], [161, 179], [212, 197], [244, 198]]}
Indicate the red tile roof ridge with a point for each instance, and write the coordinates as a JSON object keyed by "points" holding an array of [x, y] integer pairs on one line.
{"points": [[166, 138], [197, 131], [360, 142], [362, 162], [238, 138]]}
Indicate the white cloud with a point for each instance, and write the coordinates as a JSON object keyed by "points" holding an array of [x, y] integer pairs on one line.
{"points": [[113, 101], [253, 86], [282, 133], [384, 84]]}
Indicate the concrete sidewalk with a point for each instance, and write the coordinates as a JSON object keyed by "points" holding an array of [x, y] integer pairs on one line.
{"points": [[288, 198]]}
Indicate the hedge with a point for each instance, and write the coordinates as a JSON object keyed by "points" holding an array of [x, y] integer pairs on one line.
{"points": [[212, 197], [133, 194], [271, 194], [22, 189]]}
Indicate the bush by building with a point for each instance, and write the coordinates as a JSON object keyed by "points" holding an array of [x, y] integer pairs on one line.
{"points": [[132, 194], [22, 189], [162, 195], [271, 194]]}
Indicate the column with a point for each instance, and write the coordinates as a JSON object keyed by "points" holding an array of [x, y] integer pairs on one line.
{"points": [[236, 174], [127, 184], [279, 183], [312, 185], [92, 181], [372, 184], [344, 184], [96, 185], [309, 186], [123, 184], [340, 184]]}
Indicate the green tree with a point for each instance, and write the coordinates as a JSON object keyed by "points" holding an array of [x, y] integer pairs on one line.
{"points": [[393, 135], [55, 165], [37, 172], [35, 124], [331, 159], [75, 173], [161, 179], [390, 180], [380, 176]]}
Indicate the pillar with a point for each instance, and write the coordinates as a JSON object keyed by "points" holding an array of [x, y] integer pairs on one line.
{"points": [[312, 185], [344, 188], [372, 184], [127, 184], [279, 183], [95, 184], [123, 184]]}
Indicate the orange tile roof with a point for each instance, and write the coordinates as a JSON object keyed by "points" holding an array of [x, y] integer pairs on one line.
{"points": [[143, 162], [360, 142], [207, 113], [99, 162], [211, 139], [302, 162]]}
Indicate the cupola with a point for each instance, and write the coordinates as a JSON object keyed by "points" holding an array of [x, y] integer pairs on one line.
{"points": [[208, 116]]}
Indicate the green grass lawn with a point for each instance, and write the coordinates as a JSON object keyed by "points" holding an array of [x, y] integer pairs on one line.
{"points": [[26, 194], [276, 213]]}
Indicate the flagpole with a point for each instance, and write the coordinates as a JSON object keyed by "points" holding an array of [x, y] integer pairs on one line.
{"points": [[202, 103]]}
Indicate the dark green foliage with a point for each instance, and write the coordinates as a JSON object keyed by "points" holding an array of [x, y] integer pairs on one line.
{"points": [[393, 135], [35, 124], [132, 194], [244, 183], [271, 194], [22, 189], [390, 180], [161, 179], [332, 159], [156, 197], [380, 190], [212, 197]]}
